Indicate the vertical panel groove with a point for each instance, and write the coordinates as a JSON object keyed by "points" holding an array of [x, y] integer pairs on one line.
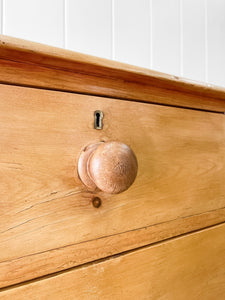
{"points": [[206, 41], [64, 23], [181, 39], [113, 29], [2, 16], [151, 40]]}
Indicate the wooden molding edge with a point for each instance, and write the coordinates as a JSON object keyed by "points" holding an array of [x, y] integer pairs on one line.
{"points": [[32, 64], [49, 262]]}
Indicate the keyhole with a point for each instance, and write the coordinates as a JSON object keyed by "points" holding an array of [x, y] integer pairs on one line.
{"points": [[98, 119]]}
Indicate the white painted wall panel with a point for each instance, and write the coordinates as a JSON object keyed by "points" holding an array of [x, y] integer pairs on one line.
{"points": [[216, 41], [166, 36], [194, 39], [180, 37], [132, 32], [89, 27], [35, 20]]}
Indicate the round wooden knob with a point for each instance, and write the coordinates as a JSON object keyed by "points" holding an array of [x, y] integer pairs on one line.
{"points": [[109, 166]]}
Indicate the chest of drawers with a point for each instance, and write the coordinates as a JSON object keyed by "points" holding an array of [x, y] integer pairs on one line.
{"points": [[142, 215]]}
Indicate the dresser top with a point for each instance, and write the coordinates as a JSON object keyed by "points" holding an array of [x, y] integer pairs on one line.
{"points": [[32, 64]]}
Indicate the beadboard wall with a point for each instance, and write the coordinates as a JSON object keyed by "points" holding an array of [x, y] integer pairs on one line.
{"points": [[180, 37]]}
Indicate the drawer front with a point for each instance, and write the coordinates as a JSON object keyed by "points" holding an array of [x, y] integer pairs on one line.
{"points": [[46, 210], [190, 267]]}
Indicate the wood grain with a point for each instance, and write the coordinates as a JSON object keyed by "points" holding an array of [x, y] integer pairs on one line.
{"points": [[31, 64], [45, 207], [189, 267], [58, 259]]}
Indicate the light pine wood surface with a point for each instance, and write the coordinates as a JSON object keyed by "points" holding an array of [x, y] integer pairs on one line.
{"points": [[46, 212], [32, 64], [191, 267]]}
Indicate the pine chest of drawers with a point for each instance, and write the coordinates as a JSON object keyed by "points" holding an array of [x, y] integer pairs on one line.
{"points": [[112, 179]]}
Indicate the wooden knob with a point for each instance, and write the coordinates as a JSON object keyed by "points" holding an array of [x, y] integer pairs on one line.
{"points": [[108, 166]]}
